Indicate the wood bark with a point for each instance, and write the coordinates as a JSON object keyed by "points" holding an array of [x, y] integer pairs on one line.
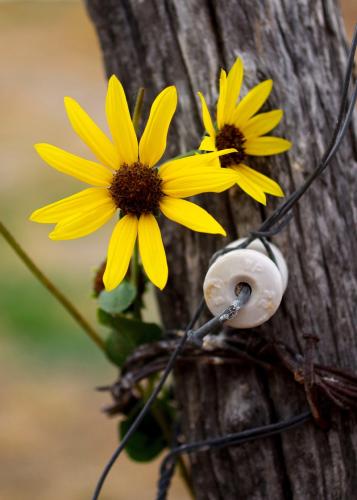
{"points": [[301, 45]]}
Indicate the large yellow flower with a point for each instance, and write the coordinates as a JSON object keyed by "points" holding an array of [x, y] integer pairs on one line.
{"points": [[238, 126], [126, 179]]}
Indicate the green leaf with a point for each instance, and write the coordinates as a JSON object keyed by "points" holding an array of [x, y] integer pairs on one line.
{"points": [[117, 300], [148, 440], [127, 335], [104, 318]]}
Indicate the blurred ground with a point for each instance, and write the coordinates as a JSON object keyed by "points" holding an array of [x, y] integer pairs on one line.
{"points": [[53, 439]]}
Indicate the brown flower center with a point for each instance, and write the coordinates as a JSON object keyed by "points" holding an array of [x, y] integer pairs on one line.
{"points": [[231, 137], [136, 189]]}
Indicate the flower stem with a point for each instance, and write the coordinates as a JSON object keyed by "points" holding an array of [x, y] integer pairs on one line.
{"points": [[135, 271], [192, 152], [137, 108], [71, 309], [135, 266]]}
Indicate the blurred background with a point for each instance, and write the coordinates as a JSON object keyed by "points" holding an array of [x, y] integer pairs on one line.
{"points": [[53, 439]]}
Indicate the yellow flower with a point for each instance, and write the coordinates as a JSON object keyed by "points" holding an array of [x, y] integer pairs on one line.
{"points": [[239, 127], [126, 179]]}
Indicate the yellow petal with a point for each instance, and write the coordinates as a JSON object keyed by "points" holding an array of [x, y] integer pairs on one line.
{"points": [[190, 215], [91, 134], [153, 141], [262, 181], [82, 201], [234, 83], [206, 117], [199, 180], [251, 103], [207, 144], [84, 222], [249, 186], [152, 250], [120, 250], [67, 163], [173, 168], [120, 123], [262, 123], [221, 104], [267, 145]]}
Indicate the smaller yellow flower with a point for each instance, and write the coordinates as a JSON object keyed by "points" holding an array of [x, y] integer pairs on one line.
{"points": [[127, 180], [239, 127]]}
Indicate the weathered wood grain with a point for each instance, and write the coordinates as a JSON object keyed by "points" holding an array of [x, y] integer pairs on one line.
{"points": [[301, 45]]}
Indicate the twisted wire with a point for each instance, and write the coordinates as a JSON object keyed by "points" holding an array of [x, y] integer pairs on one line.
{"points": [[168, 463]]}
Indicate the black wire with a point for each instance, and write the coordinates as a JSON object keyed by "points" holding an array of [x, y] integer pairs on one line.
{"points": [[149, 402], [275, 230], [349, 70], [344, 118], [170, 467], [208, 327], [271, 227], [168, 463], [268, 249], [344, 126], [337, 136]]}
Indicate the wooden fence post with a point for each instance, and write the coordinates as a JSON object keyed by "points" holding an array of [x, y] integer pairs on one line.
{"points": [[300, 45]]}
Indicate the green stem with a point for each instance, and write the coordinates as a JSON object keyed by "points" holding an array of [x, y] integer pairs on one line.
{"points": [[71, 309], [135, 271], [137, 108], [135, 266], [192, 152]]}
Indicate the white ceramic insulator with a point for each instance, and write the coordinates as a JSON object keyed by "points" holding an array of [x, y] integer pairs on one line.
{"points": [[259, 247], [246, 266]]}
